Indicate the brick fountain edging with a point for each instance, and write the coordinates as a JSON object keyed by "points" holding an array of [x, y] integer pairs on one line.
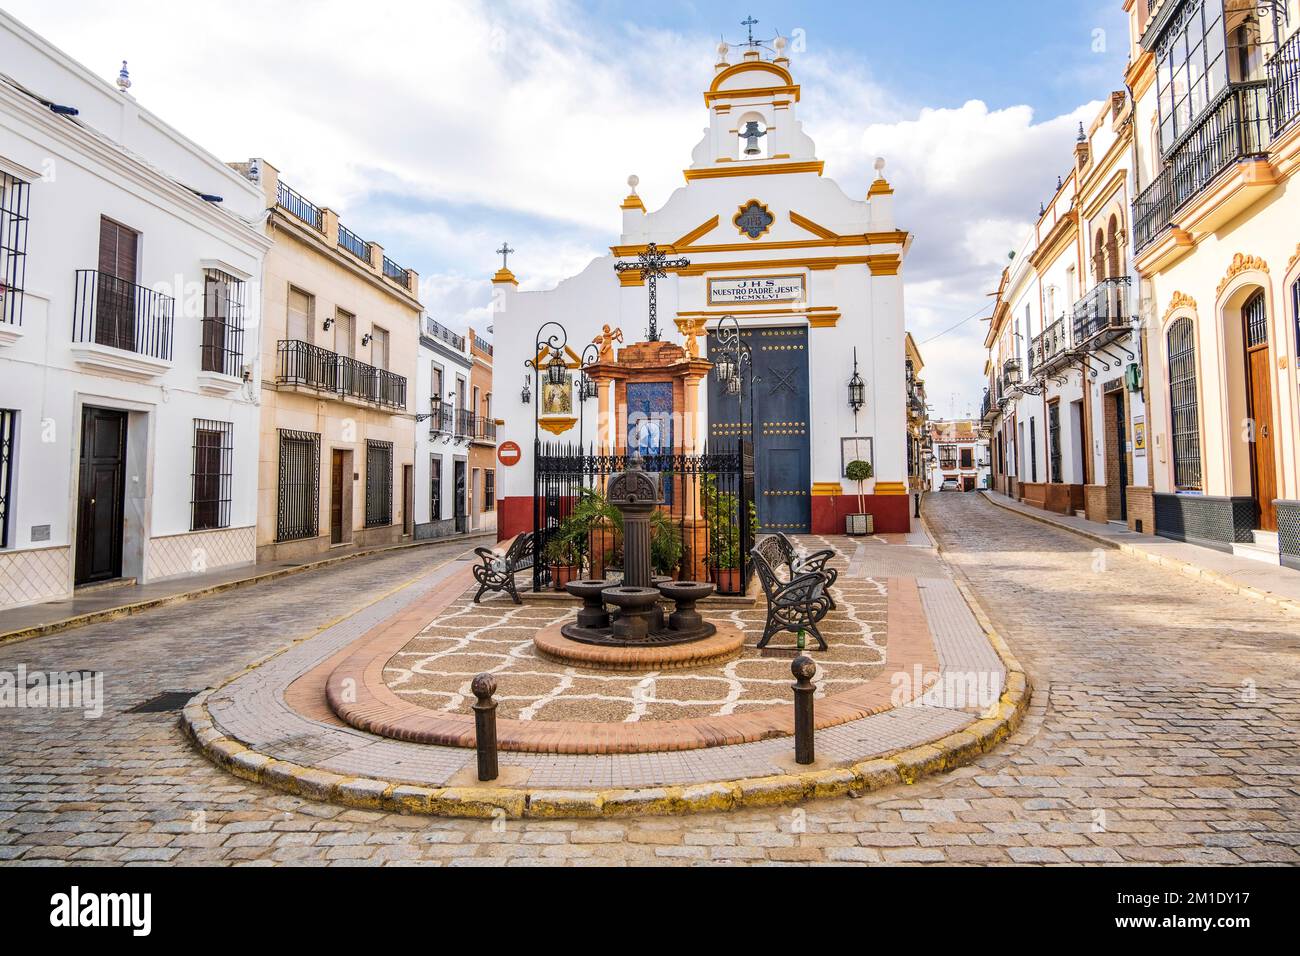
{"points": [[905, 766]]}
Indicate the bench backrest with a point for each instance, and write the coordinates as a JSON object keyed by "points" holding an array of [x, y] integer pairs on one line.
{"points": [[763, 565], [520, 551]]}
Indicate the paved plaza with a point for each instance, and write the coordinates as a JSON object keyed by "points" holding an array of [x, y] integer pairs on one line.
{"points": [[1162, 729]]}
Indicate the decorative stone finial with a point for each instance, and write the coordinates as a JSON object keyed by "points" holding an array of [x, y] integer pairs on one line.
{"points": [[879, 166], [723, 49], [123, 78], [484, 686], [1083, 138], [779, 44], [632, 182]]}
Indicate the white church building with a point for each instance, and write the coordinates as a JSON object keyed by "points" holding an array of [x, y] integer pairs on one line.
{"points": [[813, 277]]}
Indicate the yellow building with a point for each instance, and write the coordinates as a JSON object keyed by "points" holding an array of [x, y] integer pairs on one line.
{"points": [[339, 345]]}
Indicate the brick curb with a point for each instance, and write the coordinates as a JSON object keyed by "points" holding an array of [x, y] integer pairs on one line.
{"points": [[369, 793], [1173, 564], [128, 610]]}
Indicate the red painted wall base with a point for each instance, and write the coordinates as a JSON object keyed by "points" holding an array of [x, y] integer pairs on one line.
{"points": [[891, 513], [514, 516]]}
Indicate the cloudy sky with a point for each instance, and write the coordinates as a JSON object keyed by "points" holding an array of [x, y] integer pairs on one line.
{"points": [[440, 128]]}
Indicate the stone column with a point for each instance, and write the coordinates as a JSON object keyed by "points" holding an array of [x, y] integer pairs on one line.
{"points": [[636, 545]]}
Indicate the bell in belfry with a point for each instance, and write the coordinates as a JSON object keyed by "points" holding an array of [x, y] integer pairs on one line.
{"points": [[752, 134]]}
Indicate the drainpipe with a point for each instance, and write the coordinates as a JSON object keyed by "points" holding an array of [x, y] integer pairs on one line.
{"points": [[1132, 259]]}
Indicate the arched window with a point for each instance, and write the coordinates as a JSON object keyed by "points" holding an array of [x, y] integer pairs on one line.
{"points": [[1114, 266], [1099, 257], [1183, 404]]}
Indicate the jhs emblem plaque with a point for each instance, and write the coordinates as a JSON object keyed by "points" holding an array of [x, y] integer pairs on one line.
{"points": [[753, 219]]}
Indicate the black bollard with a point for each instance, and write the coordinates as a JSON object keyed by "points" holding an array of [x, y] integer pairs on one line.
{"points": [[803, 668], [918, 505], [485, 725]]}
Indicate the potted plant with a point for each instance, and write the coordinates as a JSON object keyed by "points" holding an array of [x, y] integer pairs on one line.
{"points": [[563, 556], [722, 514], [860, 523]]}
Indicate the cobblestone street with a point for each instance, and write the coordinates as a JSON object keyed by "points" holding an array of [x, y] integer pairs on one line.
{"points": [[1163, 728]]}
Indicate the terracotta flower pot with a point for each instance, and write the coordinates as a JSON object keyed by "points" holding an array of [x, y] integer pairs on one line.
{"points": [[727, 580], [562, 574]]}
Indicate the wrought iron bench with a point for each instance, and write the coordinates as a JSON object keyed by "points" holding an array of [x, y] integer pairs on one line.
{"points": [[815, 562], [797, 604], [497, 572]]}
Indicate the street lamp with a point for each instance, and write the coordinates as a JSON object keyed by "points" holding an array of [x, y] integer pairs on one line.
{"points": [[733, 355], [857, 387], [553, 343]]}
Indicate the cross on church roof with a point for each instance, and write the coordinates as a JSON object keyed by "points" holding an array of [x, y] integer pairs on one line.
{"points": [[503, 252], [749, 23]]}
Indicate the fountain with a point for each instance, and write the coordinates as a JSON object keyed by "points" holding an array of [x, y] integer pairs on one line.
{"points": [[636, 632], [637, 618]]}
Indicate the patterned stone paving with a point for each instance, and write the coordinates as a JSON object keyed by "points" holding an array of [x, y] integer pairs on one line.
{"points": [[434, 670], [1163, 730]]}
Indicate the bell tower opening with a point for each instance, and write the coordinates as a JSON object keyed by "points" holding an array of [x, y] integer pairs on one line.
{"points": [[752, 137]]}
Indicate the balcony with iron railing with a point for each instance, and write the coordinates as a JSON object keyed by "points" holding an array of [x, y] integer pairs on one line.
{"points": [[298, 207], [304, 364], [1235, 127], [464, 423], [349, 241], [482, 344], [442, 418], [436, 330], [1104, 314], [1284, 85], [398, 274], [121, 315], [1050, 349], [485, 430]]}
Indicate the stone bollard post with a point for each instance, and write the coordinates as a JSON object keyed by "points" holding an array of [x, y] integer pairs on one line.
{"points": [[485, 725], [803, 668]]}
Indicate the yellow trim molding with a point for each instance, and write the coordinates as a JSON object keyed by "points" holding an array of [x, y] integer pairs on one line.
{"points": [[556, 426], [505, 275], [1181, 300], [748, 66], [880, 187], [703, 229], [633, 202], [891, 488], [770, 169], [803, 222], [897, 237], [824, 489], [1241, 263]]}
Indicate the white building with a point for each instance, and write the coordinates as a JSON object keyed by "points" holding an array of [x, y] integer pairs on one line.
{"points": [[961, 455], [442, 504], [812, 275], [129, 340]]}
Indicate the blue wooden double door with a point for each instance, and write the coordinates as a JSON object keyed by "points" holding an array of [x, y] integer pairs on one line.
{"points": [[773, 404]]}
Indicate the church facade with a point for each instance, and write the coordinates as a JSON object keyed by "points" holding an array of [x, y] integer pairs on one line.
{"points": [[813, 278]]}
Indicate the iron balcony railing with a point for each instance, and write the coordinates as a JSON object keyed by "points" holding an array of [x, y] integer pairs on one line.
{"points": [[1284, 85], [485, 429], [353, 243], [436, 330], [298, 207], [464, 423], [1235, 127], [120, 314], [1104, 314], [1050, 349], [482, 344], [442, 418], [396, 273], [301, 363]]}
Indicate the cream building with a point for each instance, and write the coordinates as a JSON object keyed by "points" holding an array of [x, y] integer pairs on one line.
{"points": [[1216, 225], [340, 337], [1064, 402]]}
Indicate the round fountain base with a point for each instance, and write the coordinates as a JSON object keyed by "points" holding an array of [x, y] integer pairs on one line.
{"points": [[722, 643]]}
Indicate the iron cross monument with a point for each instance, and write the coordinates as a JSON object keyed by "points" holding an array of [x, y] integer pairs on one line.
{"points": [[653, 265]]}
